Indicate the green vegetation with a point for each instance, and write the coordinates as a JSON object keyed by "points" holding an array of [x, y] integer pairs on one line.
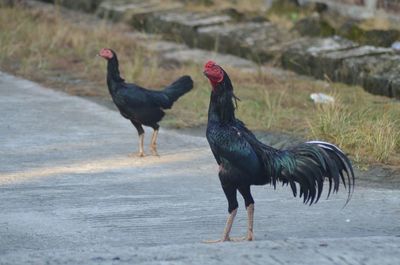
{"points": [[57, 52]]}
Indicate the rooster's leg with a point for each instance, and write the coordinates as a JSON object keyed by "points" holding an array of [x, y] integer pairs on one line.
{"points": [[227, 229], [141, 145], [250, 216], [140, 131], [153, 145], [230, 193], [249, 202]]}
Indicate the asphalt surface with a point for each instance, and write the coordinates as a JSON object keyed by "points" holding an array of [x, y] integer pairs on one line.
{"points": [[70, 194]]}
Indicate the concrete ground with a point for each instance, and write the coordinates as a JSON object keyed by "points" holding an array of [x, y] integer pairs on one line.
{"points": [[70, 194]]}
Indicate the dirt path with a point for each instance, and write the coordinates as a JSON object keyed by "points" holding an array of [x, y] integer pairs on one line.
{"points": [[69, 194]]}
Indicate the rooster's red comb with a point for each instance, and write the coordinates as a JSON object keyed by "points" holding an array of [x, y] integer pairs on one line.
{"points": [[209, 64]]}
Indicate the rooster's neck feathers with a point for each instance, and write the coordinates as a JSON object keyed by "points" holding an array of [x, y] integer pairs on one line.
{"points": [[222, 108], [113, 74]]}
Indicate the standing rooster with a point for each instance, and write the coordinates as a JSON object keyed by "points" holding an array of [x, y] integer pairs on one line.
{"points": [[244, 161], [139, 105]]}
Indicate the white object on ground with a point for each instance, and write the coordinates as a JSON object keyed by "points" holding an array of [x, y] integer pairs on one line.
{"points": [[396, 46], [321, 98]]}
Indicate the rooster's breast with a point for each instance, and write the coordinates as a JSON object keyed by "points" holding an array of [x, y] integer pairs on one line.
{"points": [[237, 157]]}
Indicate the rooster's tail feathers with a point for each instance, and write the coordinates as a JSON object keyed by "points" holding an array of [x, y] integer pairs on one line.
{"points": [[309, 164], [178, 88], [343, 165]]}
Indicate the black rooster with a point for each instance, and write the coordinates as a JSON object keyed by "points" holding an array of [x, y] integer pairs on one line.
{"points": [[244, 161], [139, 105]]}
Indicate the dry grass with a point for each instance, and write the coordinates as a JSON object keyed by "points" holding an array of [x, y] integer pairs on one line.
{"points": [[365, 124], [53, 51]]}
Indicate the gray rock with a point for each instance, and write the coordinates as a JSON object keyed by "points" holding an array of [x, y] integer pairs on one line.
{"points": [[83, 5], [182, 26], [384, 82], [116, 10], [377, 74], [331, 62], [165, 46], [301, 56], [8, 3], [201, 56], [340, 60], [395, 87], [354, 70], [257, 41], [377, 85], [314, 27], [135, 12], [378, 37]]}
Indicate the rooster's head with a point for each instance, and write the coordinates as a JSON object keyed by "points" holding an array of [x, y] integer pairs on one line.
{"points": [[106, 53], [214, 73]]}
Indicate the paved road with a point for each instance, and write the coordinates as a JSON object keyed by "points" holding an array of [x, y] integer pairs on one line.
{"points": [[70, 194]]}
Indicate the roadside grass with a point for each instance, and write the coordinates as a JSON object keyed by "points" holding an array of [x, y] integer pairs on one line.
{"points": [[44, 47], [372, 133]]}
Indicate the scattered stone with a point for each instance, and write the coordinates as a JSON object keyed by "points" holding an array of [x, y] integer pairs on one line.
{"points": [[234, 14], [330, 62], [202, 2], [378, 37], [8, 3], [341, 60], [375, 37], [259, 42], [182, 26], [388, 10], [384, 83], [314, 26], [301, 55], [134, 12], [201, 56], [283, 6], [243, 17], [395, 87], [320, 7], [377, 74], [350, 30], [354, 70], [165, 46], [83, 5]]}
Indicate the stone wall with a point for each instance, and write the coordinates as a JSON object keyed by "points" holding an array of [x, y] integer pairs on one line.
{"points": [[392, 6], [377, 69], [352, 2], [363, 8]]}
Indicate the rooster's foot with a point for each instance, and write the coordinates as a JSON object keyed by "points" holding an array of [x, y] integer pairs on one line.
{"points": [[249, 237], [217, 241], [154, 151], [140, 154]]}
